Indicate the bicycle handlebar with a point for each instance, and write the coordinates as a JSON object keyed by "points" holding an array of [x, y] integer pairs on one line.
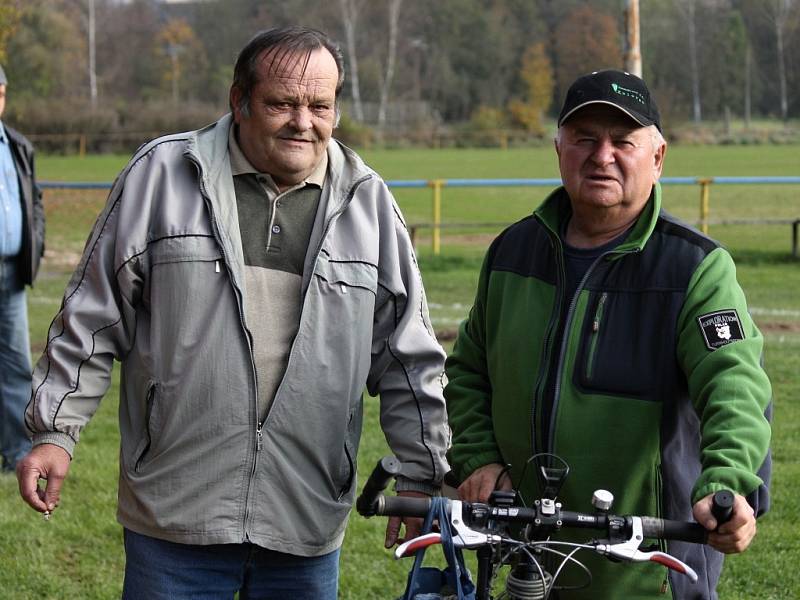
{"points": [[653, 527], [371, 502], [387, 469], [480, 527]]}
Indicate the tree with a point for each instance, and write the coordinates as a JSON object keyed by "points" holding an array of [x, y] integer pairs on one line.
{"points": [[127, 35], [537, 73], [586, 40], [350, 10], [175, 45], [687, 9], [9, 19], [779, 12], [43, 51], [731, 72], [394, 17]]}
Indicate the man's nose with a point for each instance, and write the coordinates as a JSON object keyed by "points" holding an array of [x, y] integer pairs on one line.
{"points": [[301, 118], [603, 153]]}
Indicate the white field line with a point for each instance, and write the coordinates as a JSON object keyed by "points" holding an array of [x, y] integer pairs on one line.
{"points": [[442, 314], [754, 310], [775, 312]]}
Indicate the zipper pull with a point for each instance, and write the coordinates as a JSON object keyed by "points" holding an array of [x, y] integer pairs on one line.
{"points": [[216, 266], [598, 312], [259, 437]]}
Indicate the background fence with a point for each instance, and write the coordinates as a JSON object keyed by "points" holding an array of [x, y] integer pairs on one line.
{"points": [[436, 224]]}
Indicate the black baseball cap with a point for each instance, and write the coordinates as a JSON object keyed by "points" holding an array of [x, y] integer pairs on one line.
{"points": [[619, 89]]}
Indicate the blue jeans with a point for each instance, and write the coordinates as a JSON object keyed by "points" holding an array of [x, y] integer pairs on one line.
{"points": [[160, 570], [15, 366]]}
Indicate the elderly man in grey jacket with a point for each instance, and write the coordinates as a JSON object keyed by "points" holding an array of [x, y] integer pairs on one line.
{"points": [[251, 277]]}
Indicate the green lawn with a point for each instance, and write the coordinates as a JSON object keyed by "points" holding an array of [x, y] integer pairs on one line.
{"points": [[78, 554]]}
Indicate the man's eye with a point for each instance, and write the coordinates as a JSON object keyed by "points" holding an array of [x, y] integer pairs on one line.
{"points": [[320, 108]]}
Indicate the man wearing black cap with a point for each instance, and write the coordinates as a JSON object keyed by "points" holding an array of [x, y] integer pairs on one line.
{"points": [[21, 248], [608, 333]]}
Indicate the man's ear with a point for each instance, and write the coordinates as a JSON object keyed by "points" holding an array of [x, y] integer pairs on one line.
{"points": [[658, 160], [234, 97]]}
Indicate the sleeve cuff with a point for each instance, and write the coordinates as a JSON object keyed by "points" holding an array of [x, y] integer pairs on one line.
{"points": [[403, 484], [62, 440]]}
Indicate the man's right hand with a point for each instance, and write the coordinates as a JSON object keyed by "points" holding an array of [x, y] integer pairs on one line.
{"points": [[481, 483], [48, 462]]}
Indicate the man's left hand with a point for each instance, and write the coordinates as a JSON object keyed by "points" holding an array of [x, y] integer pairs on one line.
{"points": [[413, 525], [733, 536]]}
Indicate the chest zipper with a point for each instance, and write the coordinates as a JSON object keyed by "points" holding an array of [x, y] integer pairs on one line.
{"points": [[595, 335], [259, 441], [218, 236], [541, 384]]}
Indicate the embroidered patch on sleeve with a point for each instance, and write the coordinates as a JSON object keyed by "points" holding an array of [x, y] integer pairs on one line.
{"points": [[720, 328]]}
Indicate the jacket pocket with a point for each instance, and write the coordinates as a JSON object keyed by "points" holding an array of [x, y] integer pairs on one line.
{"points": [[347, 472], [184, 248], [594, 333], [349, 274], [147, 439], [658, 494], [342, 297], [627, 344]]}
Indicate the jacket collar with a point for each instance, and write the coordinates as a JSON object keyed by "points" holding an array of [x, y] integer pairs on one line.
{"points": [[556, 209], [345, 168], [208, 148]]}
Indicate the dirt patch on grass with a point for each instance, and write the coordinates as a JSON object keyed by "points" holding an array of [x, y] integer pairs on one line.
{"points": [[779, 326], [60, 259], [446, 335]]}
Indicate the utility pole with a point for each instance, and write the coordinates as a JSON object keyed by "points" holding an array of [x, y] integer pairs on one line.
{"points": [[633, 54]]}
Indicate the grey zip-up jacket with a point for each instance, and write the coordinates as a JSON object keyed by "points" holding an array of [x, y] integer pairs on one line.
{"points": [[160, 288]]}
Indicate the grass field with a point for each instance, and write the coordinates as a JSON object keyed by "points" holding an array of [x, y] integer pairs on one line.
{"points": [[78, 553]]}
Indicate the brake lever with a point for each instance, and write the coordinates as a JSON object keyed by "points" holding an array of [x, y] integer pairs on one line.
{"points": [[463, 536], [410, 547], [629, 551]]}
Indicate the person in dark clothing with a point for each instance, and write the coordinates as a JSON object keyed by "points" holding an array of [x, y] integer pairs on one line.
{"points": [[21, 249]]}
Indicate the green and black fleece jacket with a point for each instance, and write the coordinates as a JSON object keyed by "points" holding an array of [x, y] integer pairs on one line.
{"points": [[648, 382]]}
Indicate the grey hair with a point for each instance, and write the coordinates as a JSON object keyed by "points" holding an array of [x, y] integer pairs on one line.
{"points": [[285, 44]]}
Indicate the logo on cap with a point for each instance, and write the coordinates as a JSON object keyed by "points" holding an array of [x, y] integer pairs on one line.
{"points": [[622, 91]]}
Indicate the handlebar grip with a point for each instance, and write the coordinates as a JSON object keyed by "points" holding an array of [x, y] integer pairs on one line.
{"points": [[387, 469], [667, 529], [402, 506], [722, 506]]}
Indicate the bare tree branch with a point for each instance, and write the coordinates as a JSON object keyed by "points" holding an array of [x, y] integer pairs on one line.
{"points": [[394, 18], [349, 11]]}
